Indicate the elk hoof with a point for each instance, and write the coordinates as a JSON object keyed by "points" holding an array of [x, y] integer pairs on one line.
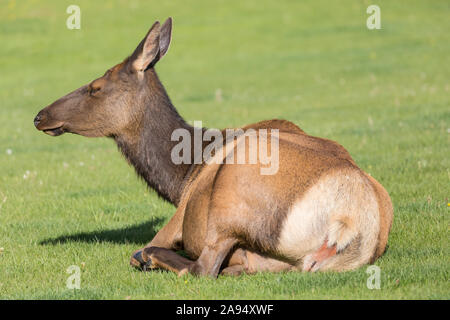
{"points": [[138, 262]]}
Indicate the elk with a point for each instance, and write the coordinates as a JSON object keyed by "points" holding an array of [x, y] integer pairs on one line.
{"points": [[319, 211]]}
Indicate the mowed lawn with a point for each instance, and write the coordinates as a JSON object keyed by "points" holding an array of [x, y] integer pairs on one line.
{"points": [[383, 94]]}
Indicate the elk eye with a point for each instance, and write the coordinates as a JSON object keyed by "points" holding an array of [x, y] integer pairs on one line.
{"points": [[93, 90]]}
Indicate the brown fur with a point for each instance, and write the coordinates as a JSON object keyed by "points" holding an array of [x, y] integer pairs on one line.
{"points": [[229, 218]]}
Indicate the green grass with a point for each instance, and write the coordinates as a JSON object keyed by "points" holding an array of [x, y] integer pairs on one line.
{"points": [[383, 94]]}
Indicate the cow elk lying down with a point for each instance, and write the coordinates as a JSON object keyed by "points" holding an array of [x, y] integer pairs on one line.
{"points": [[319, 211]]}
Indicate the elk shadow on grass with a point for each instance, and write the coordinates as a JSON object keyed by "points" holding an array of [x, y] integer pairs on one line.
{"points": [[139, 234]]}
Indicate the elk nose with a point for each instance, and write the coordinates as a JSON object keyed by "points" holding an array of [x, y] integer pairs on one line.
{"points": [[37, 120]]}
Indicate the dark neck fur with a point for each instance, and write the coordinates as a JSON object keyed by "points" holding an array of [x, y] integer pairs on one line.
{"points": [[148, 146]]}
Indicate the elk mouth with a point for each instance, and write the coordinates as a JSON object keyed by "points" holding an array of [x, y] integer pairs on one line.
{"points": [[54, 132], [49, 126]]}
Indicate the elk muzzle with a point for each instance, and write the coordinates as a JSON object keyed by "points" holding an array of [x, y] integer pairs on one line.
{"points": [[43, 122]]}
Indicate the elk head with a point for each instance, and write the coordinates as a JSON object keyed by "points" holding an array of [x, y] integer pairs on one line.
{"points": [[111, 104]]}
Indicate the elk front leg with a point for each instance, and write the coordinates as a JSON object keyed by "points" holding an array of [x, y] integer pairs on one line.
{"points": [[169, 237], [208, 263], [166, 259]]}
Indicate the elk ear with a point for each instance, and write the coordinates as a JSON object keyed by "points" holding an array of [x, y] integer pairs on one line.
{"points": [[147, 52], [165, 36], [153, 47]]}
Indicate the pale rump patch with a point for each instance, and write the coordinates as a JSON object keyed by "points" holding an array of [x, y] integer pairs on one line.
{"points": [[339, 208]]}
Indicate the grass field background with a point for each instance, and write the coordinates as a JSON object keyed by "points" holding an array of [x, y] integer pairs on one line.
{"points": [[383, 94]]}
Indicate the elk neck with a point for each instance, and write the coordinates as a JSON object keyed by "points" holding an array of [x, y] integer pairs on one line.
{"points": [[147, 145]]}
